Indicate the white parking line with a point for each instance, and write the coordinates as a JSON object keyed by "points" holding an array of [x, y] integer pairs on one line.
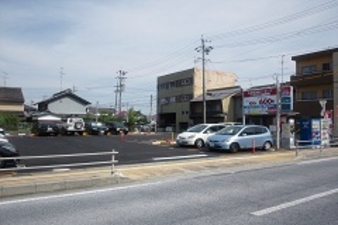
{"points": [[293, 203], [180, 157]]}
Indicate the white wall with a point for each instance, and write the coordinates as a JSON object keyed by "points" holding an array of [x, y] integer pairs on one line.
{"points": [[66, 105]]}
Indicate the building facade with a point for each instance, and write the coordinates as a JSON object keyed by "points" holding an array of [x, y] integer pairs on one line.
{"points": [[12, 100], [315, 81], [176, 90], [221, 106], [64, 103]]}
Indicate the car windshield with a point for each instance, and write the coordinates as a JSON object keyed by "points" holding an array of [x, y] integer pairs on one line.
{"points": [[230, 130], [197, 128]]}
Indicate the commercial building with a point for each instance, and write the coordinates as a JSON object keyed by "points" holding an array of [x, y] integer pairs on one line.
{"points": [[316, 85], [176, 90]]}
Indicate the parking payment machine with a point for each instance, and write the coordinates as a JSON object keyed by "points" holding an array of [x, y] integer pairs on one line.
{"points": [[288, 133]]}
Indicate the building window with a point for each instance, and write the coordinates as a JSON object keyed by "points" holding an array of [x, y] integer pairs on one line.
{"points": [[309, 95], [309, 69], [163, 101], [172, 99], [185, 98], [328, 94], [186, 82], [326, 67], [172, 84]]}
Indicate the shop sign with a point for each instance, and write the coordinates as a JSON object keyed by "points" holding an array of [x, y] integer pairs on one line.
{"points": [[264, 101]]}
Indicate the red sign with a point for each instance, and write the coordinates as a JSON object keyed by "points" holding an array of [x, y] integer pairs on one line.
{"points": [[260, 92]]}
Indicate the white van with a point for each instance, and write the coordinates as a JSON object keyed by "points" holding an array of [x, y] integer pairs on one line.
{"points": [[197, 135]]}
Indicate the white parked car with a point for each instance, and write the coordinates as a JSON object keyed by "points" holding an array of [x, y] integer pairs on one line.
{"points": [[3, 135], [197, 135]]}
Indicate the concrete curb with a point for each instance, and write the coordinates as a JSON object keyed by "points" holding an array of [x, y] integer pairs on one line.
{"points": [[40, 186], [25, 184]]}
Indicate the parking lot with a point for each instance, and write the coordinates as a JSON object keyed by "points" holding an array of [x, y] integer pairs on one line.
{"points": [[133, 149]]}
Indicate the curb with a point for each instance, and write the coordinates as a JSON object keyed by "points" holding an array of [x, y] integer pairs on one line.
{"points": [[25, 184], [41, 186]]}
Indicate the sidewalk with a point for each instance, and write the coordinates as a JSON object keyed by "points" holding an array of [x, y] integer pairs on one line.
{"points": [[60, 180]]}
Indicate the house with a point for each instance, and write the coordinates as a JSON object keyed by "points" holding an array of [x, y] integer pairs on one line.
{"points": [[220, 106], [12, 100], [316, 80], [64, 103], [176, 90]]}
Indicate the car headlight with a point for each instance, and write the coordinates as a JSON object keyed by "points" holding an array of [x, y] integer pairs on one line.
{"points": [[191, 136], [225, 140]]}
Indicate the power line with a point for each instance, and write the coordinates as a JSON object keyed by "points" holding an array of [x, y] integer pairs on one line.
{"points": [[156, 62], [286, 19], [308, 31]]}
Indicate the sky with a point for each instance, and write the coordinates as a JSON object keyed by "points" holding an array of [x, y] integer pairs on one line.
{"points": [[49, 46]]}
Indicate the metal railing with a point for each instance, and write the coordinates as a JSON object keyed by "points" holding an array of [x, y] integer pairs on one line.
{"points": [[313, 144], [55, 166]]}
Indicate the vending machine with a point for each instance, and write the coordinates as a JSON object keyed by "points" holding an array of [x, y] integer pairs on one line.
{"points": [[310, 130]]}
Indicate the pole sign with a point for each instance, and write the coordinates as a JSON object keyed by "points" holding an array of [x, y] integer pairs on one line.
{"points": [[264, 101], [286, 100]]}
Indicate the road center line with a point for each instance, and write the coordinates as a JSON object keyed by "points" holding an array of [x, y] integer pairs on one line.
{"points": [[180, 157], [293, 203]]}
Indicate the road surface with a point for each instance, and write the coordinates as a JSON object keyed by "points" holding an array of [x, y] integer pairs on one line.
{"points": [[302, 193]]}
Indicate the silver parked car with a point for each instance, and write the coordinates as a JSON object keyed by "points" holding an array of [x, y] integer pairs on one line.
{"points": [[197, 135], [234, 138]]}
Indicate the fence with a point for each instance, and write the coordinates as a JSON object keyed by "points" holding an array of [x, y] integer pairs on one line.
{"points": [[311, 144], [110, 162]]}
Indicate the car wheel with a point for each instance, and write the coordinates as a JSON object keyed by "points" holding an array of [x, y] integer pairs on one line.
{"points": [[267, 145], [199, 143], [234, 147]]}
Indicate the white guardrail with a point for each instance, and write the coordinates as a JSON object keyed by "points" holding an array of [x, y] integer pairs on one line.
{"points": [[111, 162], [311, 144]]}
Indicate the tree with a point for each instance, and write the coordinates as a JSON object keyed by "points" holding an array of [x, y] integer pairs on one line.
{"points": [[134, 118], [9, 121]]}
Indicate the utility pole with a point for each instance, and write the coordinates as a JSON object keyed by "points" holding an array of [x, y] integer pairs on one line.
{"points": [[61, 75], [282, 69], [121, 77], [277, 113], [151, 108], [5, 77], [116, 94], [96, 111], [74, 88], [205, 51]]}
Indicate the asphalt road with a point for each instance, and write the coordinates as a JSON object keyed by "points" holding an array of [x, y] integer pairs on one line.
{"points": [[133, 149], [303, 193]]}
